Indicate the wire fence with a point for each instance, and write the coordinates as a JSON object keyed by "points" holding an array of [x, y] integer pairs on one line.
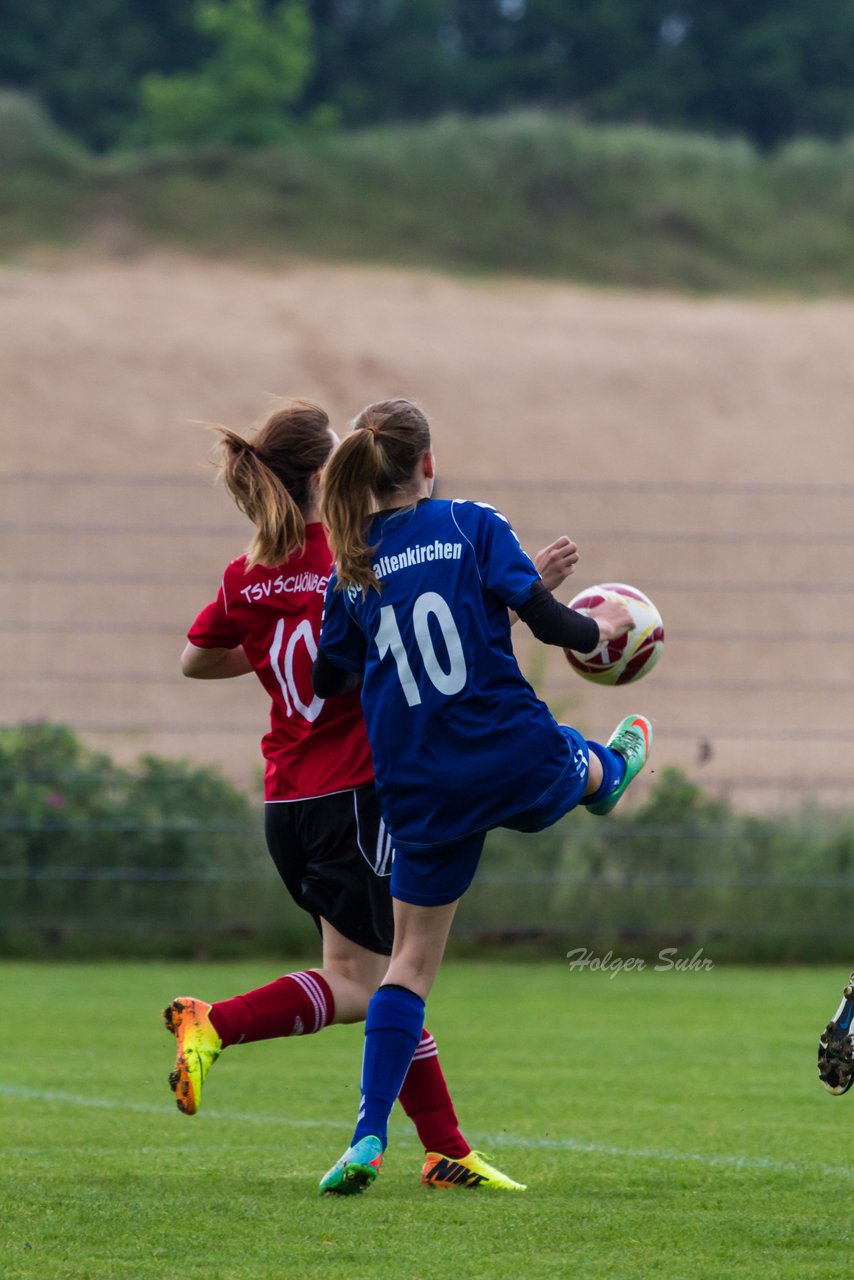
{"points": [[753, 701], [731, 662]]}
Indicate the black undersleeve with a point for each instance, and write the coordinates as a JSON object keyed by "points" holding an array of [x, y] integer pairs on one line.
{"points": [[553, 623]]}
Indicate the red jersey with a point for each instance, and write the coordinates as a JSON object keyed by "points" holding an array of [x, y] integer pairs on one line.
{"points": [[313, 747]]}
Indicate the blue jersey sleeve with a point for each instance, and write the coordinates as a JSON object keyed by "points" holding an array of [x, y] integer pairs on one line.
{"points": [[342, 640], [505, 569]]}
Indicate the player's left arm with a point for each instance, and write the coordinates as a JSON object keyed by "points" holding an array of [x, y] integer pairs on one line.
{"points": [[554, 564], [214, 664]]}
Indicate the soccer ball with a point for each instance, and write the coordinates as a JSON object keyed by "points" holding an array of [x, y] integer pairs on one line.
{"points": [[631, 656]]}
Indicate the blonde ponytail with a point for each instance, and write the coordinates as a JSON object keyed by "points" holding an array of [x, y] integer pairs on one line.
{"points": [[376, 460], [270, 478], [349, 489]]}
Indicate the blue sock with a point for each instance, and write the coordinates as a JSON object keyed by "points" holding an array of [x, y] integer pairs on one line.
{"points": [[613, 771], [393, 1027]]}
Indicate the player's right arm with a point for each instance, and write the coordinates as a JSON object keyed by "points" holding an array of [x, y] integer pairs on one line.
{"points": [[214, 650], [509, 573], [214, 664]]}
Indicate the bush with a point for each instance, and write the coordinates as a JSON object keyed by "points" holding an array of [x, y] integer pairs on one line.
{"points": [[531, 192], [163, 851], [683, 869], [168, 859]]}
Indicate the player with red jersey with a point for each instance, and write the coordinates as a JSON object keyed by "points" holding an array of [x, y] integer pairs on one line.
{"points": [[322, 821]]}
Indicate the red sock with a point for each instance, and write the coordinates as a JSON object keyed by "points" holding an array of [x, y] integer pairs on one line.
{"points": [[425, 1099], [298, 1004]]}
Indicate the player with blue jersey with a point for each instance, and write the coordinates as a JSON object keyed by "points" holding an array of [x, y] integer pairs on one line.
{"points": [[417, 610]]}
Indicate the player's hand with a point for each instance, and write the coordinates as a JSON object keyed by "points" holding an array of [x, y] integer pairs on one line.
{"points": [[614, 619], [556, 561]]}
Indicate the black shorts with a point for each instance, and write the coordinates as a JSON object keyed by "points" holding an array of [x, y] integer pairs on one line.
{"points": [[334, 855]]}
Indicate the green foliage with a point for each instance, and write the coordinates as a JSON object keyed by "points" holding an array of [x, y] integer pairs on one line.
{"points": [[683, 868], [84, 61], [530, 193], [770, 72], [244, 92], [159, 849], [165, 858]]}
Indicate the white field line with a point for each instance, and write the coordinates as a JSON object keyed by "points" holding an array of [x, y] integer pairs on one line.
{"points": [[709, 1160]]}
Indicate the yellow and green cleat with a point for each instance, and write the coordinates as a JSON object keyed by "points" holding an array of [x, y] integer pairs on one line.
{"points": [[468, 1172], [197, 1049]]}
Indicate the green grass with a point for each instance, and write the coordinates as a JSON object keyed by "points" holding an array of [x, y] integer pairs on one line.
{"points": [[667, 1124]]}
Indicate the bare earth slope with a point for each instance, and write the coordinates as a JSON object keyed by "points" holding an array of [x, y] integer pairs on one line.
{"points": [[702, 450]]}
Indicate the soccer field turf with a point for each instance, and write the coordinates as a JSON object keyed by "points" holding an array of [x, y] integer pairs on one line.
{"points": [[667, 1124]]}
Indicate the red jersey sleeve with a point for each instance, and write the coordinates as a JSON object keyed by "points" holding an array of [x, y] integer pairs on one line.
{"points": [[213, 629]]}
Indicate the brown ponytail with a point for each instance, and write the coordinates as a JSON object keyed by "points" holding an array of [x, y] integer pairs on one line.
{"points": [[270, 478], [376, 460]]}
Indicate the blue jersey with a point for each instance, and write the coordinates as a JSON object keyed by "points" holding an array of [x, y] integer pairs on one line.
{"points": [[459, 739]]}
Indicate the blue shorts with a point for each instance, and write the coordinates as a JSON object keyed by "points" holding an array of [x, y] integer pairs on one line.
{"points": [[435, 875]]}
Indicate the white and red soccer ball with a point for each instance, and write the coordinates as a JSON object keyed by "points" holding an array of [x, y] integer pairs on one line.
{"points": [[631, 656]]}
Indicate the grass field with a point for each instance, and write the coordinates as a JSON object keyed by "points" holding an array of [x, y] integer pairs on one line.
{"points": [[667, 1124]]}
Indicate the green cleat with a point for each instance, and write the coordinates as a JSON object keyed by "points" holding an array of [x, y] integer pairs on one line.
{"points": [[357, 1169], [632, 739], [197, 1049]]}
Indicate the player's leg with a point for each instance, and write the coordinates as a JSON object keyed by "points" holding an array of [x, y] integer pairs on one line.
{"points": [[353, 976], [315, 845], [426, 885], [393, 1030], [352, 973], [334, 856], [594, 776], [295, 1004], [836, 1046], [424, 1095]]}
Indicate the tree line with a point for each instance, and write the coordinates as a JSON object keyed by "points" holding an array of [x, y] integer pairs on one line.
{"points": [[116, 73]]}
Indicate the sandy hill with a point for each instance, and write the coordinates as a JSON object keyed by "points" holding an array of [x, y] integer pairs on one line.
{"points": [[702, 450]]}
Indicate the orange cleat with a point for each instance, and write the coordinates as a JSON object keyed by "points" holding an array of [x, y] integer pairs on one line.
{"points": [[198, 1047]]}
